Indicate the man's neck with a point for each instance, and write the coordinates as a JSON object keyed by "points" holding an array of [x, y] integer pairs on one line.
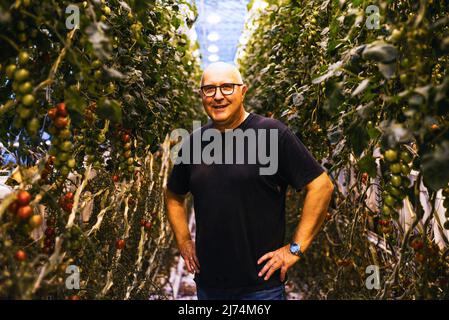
{"points": [[233, 124]]}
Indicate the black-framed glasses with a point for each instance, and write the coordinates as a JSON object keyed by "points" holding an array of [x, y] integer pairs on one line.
{"points": [[226, 89]]}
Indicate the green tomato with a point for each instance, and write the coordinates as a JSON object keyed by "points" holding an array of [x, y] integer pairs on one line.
{"points": [[25, 87], [28, 100], [390, 201], [33, 126], [10, 71], [396, 192], [71, 163], [396, 180], [24, 112], [405, 169], [110, 88], [386, 210], [24, 57], [395, 168], [65, 134], [63, 156], [96, 64], [106, 10], [21, 75], [66, 146], [64, 171], [406, 156], [391, 155], [98, 74]]}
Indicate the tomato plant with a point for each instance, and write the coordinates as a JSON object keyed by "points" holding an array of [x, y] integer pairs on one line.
{"points": [[364, 100], [81, 107]]}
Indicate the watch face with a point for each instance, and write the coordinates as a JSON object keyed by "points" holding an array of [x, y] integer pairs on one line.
{"points": [[294, 248]]}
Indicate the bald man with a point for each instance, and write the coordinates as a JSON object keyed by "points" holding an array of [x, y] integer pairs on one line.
{"points": [[240, 251]]}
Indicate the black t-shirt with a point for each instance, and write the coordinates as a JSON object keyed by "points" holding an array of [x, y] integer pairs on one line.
{"points": [[240, 214]]}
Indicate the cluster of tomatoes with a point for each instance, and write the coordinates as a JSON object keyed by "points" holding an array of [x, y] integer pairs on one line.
{"points": [[399, 167], [385, 226], [418, 245], [72, 239], [49, 166], [22, 86], [126, 157], [22, 213], [22, 210], [61, 146], [66, 202], [49, 237], [146, 224]]}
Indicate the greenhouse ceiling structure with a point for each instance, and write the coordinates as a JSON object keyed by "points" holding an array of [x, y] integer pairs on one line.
{"points": [[218, 28]]}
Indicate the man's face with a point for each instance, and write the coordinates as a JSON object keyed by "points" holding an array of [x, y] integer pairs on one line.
{"points": [[222, 108]]}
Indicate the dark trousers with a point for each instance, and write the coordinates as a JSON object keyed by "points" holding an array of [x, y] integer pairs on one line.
{"points": [[276, 293]]}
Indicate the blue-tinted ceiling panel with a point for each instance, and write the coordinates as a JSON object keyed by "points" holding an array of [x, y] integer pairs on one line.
{"points": [[219, 27]]}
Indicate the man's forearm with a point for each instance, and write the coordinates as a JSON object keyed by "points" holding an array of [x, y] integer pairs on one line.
{"points": [[313, 214], [177, 217]]}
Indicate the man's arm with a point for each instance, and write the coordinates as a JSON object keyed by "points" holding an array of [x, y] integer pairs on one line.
{"points": [[177, 217], [319, 193]]}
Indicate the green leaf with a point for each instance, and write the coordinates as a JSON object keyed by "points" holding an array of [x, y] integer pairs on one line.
{"points": [[109, 109], [435, 168], [368, 164], [380, 52]]}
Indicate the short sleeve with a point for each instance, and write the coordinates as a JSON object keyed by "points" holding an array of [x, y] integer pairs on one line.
{"points": [[297, 166], [178, 182], [179, 179]]}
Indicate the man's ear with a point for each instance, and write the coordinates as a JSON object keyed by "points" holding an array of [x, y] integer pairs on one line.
{"points": [[244, 89], [199, 93]]}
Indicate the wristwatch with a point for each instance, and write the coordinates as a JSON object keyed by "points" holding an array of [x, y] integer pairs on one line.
{"points": [[295, 249]]}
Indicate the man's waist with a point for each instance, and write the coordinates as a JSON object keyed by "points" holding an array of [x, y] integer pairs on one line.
{"points": [[237, 284]]}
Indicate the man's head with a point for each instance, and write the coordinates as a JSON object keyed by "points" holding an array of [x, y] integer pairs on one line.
{"points": [[223, 107]]}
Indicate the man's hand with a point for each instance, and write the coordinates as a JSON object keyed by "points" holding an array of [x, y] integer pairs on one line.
{"points": [[281, 258], [188, 253]]}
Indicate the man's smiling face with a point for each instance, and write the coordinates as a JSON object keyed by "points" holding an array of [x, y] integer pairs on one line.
{"points": [[223, 109]]}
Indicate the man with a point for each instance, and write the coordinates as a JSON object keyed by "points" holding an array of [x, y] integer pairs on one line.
{"points": [[240, 214]]}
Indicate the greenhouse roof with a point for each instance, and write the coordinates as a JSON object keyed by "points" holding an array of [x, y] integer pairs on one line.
{"points": [[219, 27]]}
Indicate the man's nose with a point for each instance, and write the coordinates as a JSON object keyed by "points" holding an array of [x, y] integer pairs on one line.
{"points": [[218, 95]]}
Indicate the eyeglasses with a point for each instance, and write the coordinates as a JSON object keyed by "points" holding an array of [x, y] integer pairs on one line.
{"points": [[226, 89]]}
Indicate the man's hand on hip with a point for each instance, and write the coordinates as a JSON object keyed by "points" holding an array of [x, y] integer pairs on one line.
{"points": [[281, 258], [188, 252]]}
